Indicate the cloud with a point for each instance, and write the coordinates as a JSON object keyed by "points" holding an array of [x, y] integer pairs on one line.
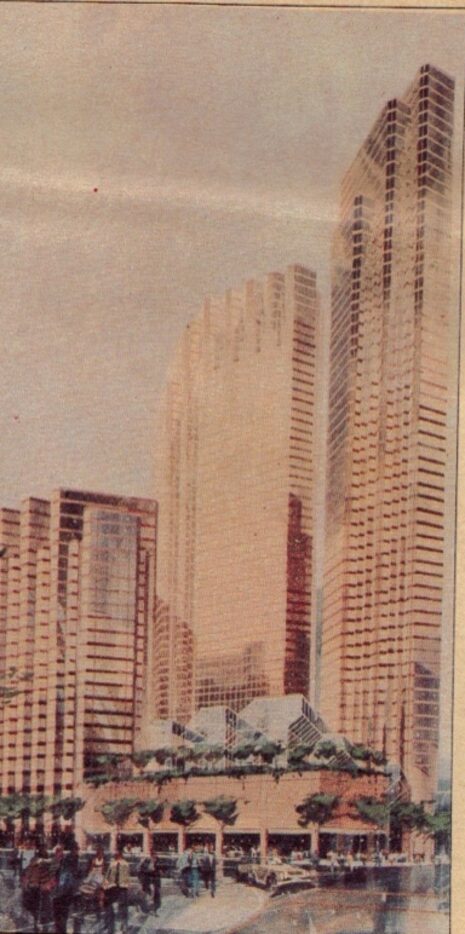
{"points": [[180, 193]]}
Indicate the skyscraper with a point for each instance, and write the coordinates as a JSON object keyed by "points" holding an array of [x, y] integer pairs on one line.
{"points": [[389, 397], [76, 603], [236, 491]]}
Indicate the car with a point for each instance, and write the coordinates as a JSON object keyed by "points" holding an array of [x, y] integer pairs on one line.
{"points": [[274, 876]]}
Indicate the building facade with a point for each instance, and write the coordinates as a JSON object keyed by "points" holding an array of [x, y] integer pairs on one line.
{"points": [[77, 602], [389, 397], [236, 499], [267, 816]]}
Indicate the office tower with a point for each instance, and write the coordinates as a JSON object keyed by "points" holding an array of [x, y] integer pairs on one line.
{"points": [[236, 489], [389, 396], [77, 603]]}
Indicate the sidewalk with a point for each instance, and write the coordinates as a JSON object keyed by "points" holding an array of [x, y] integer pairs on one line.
{"points": [[233, 905]]}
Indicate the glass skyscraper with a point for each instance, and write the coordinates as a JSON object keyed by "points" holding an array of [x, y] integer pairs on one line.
{"points": [[76, 602], [236, 499], [389, 398]]}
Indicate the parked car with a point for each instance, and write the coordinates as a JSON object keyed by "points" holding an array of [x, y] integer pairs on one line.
{"points": [[274, 876]]}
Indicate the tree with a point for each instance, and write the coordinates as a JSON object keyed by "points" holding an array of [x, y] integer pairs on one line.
{"points": [[6, 817], [36, 805], [181, 755], [438, 826], [10, 811], [199, 751], [214, 753], [150, 811], [164, 753], [297, 754], [359, 752], [267, 750], [117, 813], [22, 807], [396, 817], [184, 813], [407, 815], [373, 810], [107, 767], [223, 809], [325, 749], [366, 754], [316, 809], [243, 750], [67, 808], [141, 759]]}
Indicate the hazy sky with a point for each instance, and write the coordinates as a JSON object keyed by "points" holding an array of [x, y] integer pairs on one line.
{"points": [[216, 139]]}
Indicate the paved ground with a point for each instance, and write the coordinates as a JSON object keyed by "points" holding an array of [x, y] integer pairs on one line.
{"points": [[329, 911], [238, 909], [232, 906]]}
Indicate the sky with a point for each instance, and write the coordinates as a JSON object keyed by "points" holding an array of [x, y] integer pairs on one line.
{"points": [[150, 156]]}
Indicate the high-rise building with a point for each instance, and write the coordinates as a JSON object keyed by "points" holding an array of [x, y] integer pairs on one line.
{"points": [[236, 499], [389, 396], [77, 595]]}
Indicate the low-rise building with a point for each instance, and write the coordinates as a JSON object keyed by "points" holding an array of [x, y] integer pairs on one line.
{"points": [[266, 812]]}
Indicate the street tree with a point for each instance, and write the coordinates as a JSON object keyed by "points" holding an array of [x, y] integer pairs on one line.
{"points": [[150, 812], [373, 810], [223, 809], [316, 809], [184, 813], [117, 813]]}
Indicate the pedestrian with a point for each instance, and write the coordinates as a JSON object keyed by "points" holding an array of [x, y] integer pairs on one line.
{"points": [[156, 883], [92, 886], [194, 863], [150, 874], [116, 892], [63, 893], [37, 884], [184, 868], [209, 870], [27, 854], [16, 862]]}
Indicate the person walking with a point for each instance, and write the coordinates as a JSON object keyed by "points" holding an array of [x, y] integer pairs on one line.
{"points": [[195, 872], [156, 880], [116, 891], [27, 854], [16, 862], [184, 868], [37, 884], [150, 876], [92, 886], [209, 869], [63, 893]]}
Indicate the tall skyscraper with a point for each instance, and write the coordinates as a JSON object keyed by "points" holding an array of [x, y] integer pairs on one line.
{"points": [[389, 397], [236, 491], [77, 594]]}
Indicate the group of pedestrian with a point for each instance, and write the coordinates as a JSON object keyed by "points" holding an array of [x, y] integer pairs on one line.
{"points": [[52, 885], [48, 887], [196, 865], [111, 888]]}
